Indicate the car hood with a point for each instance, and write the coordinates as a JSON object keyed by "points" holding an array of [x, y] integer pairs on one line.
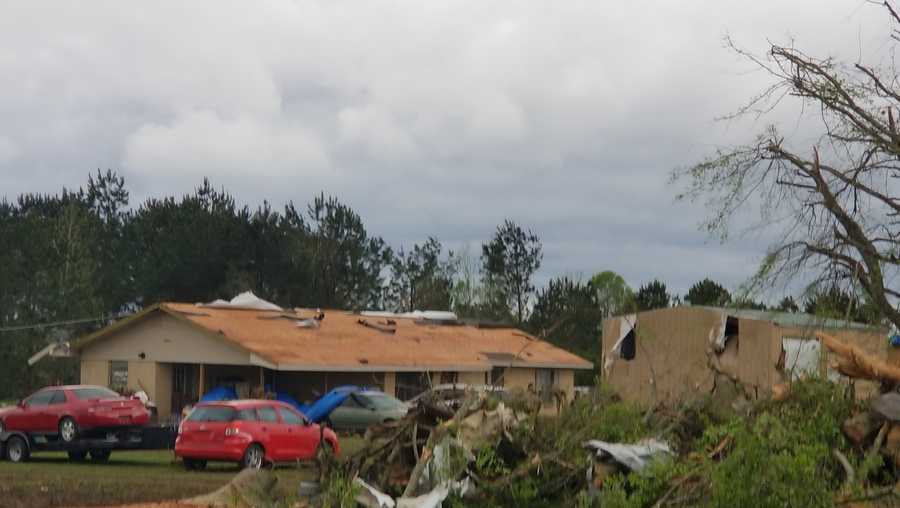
{"points": [[5, 410]]}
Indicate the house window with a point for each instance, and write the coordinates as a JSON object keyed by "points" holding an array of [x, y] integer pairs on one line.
{"points": [[449, 378], [497, 374], [118, 376], [410, 384], [545, 381]]}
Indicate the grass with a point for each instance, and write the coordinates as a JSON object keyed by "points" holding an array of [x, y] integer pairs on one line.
{"points": [[50, 480]]}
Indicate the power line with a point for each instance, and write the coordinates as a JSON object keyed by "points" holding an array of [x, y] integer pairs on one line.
{"points": [[56, 324]]}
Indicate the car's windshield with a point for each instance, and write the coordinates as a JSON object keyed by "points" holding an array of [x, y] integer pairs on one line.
{"points": [[212, 414], [381, 401], [95, 393]]}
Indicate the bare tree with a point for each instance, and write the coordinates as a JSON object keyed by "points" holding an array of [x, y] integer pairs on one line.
{"points": [[836, 200]]}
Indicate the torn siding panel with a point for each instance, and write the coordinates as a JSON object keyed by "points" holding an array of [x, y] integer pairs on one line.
{"points": [[872, 341], [754, 348], [803, 357], [671, 348]]}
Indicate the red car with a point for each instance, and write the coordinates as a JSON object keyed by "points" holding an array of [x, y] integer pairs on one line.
{"points": [[71, 411], [251, 432]]}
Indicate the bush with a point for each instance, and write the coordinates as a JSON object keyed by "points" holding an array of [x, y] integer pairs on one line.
{"points": [[778, 456]]}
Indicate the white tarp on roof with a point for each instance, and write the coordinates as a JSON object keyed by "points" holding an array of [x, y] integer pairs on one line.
{"points": [[246, 300], [434, 315]]}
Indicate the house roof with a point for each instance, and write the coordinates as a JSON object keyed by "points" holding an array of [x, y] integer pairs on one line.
{"points": [[783, 319], [340, 343], [792, 319]]}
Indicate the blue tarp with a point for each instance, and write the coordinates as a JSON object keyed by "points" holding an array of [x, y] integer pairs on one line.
{"points": [[220, 393], [284, 397], [316, 412], [320, 409]]}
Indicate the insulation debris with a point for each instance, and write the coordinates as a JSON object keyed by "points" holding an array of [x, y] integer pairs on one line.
{"points": [[626, 345], [634, 457], [246, 300]]}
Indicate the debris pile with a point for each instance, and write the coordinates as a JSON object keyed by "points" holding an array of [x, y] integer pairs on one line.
{"points": [[811, 444]]}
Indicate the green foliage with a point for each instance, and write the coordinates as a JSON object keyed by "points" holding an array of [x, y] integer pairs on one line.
{"points": [[783, 456], [614, 297], [640, 489], [834, 302], [787, 304], [778, 456], [567, 313], [708, 292], [339, 491], [421, 279], [769, 468], [509, 262], [652, 295], [489, 464]]}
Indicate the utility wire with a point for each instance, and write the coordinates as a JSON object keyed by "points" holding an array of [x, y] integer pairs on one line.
{"points": [[61, 323]]}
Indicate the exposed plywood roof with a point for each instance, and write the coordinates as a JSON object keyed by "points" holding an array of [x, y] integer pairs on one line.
{"points": [[340, 343]]}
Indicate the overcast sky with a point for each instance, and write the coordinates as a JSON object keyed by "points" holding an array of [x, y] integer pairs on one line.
{"points": [[429, 118]]}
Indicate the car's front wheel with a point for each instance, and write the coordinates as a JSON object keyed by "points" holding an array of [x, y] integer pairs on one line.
{"points": [[254, 457], [68, 429], [16, 449]]}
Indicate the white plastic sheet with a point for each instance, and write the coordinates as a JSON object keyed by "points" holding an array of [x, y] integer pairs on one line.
{"points": [[626, 325], [246, 300], [633, 456], [433, 315], [383, 500], [717, 334]]}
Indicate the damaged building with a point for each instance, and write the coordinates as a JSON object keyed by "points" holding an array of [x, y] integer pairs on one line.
{"points": [[672, 354], [178, 351]]}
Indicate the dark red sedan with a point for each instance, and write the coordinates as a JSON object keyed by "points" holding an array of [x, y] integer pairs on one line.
{"points": [[250, 432], [71, 411]]}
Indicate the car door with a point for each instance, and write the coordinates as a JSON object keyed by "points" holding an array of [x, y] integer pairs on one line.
{"points": [[273, 434], [350, 415], [303, 440], [30, 418], [368, 414], [53, 411]]}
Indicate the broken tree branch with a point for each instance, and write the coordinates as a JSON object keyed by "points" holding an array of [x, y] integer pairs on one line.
{"points": [[858, 364]]}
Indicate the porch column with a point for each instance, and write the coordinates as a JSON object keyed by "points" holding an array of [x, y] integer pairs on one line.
{"points": [[202, 381], [390, 383]]}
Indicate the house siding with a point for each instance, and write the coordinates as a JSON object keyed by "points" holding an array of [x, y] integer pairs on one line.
{"points": [[163, 338], [95, 372], [671, 363]]}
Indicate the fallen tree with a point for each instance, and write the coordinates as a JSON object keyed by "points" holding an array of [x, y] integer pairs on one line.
{"points": [[857, 364]]}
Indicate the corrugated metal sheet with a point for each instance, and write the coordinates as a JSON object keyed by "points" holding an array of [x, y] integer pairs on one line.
{"points": [[790, 319]]}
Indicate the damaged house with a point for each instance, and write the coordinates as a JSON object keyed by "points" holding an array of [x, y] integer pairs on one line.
{"points": [[668, 355], [176, 352]]}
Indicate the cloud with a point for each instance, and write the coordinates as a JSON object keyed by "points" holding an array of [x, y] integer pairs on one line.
{"points": [[429, 118], [200, 143]]}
